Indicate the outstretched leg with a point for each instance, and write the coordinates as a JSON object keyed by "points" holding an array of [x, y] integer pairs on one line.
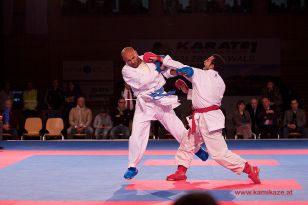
{"points": [[218, 150]]}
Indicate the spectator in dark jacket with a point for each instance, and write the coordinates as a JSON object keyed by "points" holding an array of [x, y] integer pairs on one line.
{"points": [[267, 119], [294, 120], [253, 108], [71, 94], [54, 100], [122, 117]]}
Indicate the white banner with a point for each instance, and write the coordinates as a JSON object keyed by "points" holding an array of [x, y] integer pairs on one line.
{"points": [[87, 70], [250, 56]]}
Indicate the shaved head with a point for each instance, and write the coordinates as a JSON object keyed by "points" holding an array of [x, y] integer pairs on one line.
{"points": [[130, 57], [127, 50]]}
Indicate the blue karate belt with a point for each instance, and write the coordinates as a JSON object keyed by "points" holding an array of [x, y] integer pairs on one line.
{"points": [[158, 94]]}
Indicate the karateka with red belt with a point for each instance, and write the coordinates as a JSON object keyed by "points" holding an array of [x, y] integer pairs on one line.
{"points": [[208, 120]]}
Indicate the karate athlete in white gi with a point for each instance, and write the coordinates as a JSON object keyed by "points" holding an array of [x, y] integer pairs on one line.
{"points": [[207, 120], [153, 103]]}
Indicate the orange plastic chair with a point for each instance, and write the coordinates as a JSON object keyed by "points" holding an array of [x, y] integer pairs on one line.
{"points": [[33, 127], [54, 126]]}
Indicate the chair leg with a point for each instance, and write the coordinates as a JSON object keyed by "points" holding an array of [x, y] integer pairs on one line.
{"points": [[44, 138], [22, 137], [62, 137]]}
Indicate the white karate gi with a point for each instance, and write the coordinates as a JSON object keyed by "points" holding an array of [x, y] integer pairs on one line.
{"points": [[143, 81], [208, 89]]}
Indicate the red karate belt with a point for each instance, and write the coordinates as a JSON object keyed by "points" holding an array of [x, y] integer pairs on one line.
{"points": [[201, 110]]}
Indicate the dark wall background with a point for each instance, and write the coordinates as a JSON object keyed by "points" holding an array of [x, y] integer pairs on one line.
{"points": [[38, 57]]}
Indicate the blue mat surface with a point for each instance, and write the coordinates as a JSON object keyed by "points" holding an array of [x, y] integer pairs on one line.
{"points": [[99, 178]]}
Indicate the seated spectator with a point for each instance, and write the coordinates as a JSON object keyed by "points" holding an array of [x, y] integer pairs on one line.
{"points": [[241, 120], [201, 198], [102, 124], [267, 119], [54, 100], [10, 120], [121, 119], [80, 119], [30, 101], [253, 108], [6, 94], [294, 120]]}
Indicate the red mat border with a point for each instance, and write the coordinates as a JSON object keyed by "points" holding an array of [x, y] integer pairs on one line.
{"points": [[9, 157], [160, 185]]}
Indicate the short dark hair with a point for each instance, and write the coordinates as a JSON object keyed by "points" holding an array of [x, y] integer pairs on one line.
{"points": [[218, 61], [200, 198], [240, 102]]}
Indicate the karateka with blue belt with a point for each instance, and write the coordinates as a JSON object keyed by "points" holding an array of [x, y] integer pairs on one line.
{"points": [[152, 103]]}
